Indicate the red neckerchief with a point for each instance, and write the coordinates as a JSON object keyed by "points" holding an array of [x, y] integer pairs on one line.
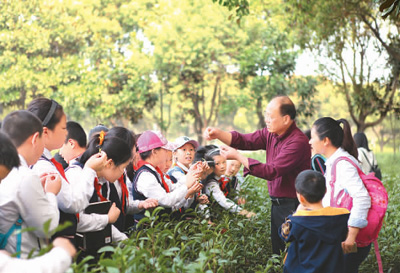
{"points": [[97, 186], [60, 169], [142, 162], [124, 190], [223, 182], [135, 167]]}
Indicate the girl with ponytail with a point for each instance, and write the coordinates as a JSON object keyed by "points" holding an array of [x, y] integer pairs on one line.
{"points": [[117, 157], [121, 189], [331, 140], [74, 194]]}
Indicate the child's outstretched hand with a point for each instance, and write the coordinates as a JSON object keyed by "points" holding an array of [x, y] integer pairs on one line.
{"points": [[246, 213], [203, 199], [148, 203], [97, 161], [195, 188]]}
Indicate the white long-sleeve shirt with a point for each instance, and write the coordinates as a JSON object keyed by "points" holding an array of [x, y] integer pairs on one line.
{"points": [[212, 189], [148, 185], [75, 193], [93, 222], [347, 178], [366, 159], [22, 194], [57, 260]]}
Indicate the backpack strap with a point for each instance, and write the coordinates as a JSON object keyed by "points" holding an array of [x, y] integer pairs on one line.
{"points": [[378, 256], [333, 173], [16, 226], [366, 157]]}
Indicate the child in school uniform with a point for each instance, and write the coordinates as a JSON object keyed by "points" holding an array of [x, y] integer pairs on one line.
{"points": [[231, 185], [119, 190], [25, 199], [75, 143], [316, 233], [58, 259], [183, 156], [192, 192], [75, 194], [149, 181], [118, 155], [212, 183]]}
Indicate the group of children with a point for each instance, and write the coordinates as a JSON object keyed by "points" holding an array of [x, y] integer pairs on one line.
{"points": [[139, 172], [134, 172]]}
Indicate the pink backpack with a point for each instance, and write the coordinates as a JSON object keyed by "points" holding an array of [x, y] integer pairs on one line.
{"points": [[376, 213]]}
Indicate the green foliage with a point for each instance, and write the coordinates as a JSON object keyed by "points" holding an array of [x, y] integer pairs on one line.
{"points": [[233, 243]]}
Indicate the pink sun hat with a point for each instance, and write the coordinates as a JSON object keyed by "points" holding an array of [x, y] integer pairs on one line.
{"points": [[150, 140]]}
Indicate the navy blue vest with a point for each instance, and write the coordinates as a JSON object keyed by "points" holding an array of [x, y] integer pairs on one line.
{"points": [[139, 196]]}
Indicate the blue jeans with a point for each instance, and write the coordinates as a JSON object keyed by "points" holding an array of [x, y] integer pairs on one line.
{"points": [[353, 260]]}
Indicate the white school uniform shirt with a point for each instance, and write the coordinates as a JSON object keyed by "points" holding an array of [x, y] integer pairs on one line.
{"points": [[22, 194], [212, 189], [75, 193], [347, 178], [366, 159], [183, 203], [57, 260], [133, 205], [93, 222], [148, 185]]}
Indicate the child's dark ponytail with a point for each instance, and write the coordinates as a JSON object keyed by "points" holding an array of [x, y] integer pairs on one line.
{"points": [[330, 128], [116, 148]]}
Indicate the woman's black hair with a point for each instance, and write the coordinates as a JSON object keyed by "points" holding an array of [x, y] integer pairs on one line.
{"points": [[8, 153], [116, 149], [146, 155], [330, 128], [361, 141], [124, 134], [48, 111]]}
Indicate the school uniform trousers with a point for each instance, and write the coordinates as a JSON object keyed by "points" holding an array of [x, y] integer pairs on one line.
{"points": [[22, 194]]}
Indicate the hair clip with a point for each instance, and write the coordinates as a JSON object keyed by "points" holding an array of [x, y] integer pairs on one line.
{"points": [[102, 136]]}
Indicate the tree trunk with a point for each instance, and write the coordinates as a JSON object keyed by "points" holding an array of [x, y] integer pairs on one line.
{"points": [[260, 115]]}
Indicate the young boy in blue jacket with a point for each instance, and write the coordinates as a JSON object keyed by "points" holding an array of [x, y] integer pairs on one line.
{"points": [[316, 233]]}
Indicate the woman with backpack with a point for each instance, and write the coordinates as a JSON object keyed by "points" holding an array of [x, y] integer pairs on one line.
{"points": [[331, 140]]}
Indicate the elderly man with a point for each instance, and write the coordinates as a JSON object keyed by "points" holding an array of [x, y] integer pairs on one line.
{"points": [[287, 154]]}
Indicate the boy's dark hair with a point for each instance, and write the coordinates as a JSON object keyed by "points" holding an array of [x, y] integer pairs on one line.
{"points": [[76, 132], [115, 148], [311, 185], [8, 154], [48, 111], [124, 134], [20, 125]]}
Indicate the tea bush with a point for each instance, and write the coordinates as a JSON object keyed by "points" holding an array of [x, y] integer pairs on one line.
{"points": [[233, 243]]}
